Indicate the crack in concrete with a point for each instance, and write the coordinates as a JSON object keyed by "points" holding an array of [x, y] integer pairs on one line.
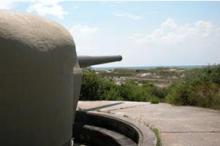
{"points": [[133, 106]]}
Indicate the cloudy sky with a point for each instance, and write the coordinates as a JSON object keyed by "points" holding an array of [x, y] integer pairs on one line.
{"points": [[144, 33]]}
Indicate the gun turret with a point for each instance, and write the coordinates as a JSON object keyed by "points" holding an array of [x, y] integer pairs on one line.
{"points": [[40, 72], [85, 61]]}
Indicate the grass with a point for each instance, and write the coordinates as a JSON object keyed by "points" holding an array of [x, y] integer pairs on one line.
{"points": [[157, 134]]}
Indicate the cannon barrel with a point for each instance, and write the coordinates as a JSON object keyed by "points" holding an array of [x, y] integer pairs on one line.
{"points": [[85, 61]]}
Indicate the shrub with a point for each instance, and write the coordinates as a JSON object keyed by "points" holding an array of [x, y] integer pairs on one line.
{"points": [[131, 91], [200, 87], [154, 100], [90, 86], [213, 72], [205, 95], [108, 90], [178, 94]]}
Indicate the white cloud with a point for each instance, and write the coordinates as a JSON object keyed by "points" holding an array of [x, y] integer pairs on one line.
{"points": [[128, 15], [170, 32], [179, 44], [41, 7], [8, 4], [47, 8], [5, 6]]}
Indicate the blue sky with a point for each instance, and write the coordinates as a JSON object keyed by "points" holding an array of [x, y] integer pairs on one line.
{"points": [[144, 33]]}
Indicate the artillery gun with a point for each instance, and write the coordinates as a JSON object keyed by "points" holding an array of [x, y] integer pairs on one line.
{"points": [[40, 78]]}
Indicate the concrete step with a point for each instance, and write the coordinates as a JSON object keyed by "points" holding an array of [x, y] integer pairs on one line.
{"points": [[99, 136]]}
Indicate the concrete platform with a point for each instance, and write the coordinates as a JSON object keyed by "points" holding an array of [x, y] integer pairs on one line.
{"points": [[98, 129], [178, 125]]}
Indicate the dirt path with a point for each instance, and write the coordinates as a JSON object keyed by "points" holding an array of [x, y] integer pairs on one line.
{"points": [[178, 125]]}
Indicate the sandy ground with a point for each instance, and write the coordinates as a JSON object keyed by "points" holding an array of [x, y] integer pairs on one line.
{"points": [[178, 125]]}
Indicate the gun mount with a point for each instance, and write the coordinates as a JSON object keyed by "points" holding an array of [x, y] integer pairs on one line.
{"points": [[40, 79]]}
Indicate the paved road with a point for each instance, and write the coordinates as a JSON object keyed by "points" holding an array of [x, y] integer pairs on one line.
{"points": [[178, 125]]}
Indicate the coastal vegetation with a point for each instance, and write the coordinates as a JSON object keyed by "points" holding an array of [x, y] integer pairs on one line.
{"points": [[194, 86], [200, 87]]}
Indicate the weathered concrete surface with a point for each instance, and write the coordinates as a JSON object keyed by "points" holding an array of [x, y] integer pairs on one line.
{"points": [[36, 81], [179, 125]]}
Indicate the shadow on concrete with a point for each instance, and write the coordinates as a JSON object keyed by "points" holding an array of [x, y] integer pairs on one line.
{"points": [[100, 107]]}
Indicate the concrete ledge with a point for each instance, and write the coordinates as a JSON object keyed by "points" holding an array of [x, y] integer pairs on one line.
{"points": [[138, 133]]}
